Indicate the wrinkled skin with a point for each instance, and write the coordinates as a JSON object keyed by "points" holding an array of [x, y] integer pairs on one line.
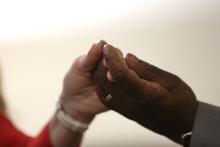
{"points": [[156, 99], [78, 97]]}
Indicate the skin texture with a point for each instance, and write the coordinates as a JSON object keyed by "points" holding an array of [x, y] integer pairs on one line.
{"points": [[154, 98], [78, 97]]}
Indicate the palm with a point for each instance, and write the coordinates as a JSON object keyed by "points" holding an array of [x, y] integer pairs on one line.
{"points": [[79, 90]]}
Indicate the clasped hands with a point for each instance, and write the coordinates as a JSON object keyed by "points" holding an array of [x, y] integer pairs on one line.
{"points": [[104, 79]]}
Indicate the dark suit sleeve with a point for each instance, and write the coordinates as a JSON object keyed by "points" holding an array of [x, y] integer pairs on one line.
{"points": [[206, 131]]}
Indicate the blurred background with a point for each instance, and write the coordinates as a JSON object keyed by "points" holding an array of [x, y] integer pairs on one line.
{"points": [[40, 39]]}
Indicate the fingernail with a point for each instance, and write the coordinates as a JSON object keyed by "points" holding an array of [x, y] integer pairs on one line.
{"points": [[106, 49]]}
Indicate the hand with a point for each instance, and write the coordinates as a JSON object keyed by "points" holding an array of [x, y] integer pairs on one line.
{"points": [[79, 97], [156, 99]]}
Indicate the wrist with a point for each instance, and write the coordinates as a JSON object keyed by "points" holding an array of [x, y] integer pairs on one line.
{"points": [[187, 125], [75, 110], [69, 122], [61, 136]]}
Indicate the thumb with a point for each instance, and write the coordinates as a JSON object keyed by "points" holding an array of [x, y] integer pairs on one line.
{"points": [[87, 63]]}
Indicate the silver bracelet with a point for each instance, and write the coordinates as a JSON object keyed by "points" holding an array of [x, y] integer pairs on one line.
{"points": [[68, 121]]}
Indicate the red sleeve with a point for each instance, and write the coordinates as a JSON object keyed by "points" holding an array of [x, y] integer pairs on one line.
{"points": [[42, 140], [10, 136]]}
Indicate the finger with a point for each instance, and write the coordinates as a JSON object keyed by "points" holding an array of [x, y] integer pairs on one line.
{"points": [[119, 53], [125, 78], [90, 61], [146, 70], [114, 61]]}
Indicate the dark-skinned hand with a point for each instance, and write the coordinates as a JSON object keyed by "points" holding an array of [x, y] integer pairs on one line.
{"points": [[156, 99]]}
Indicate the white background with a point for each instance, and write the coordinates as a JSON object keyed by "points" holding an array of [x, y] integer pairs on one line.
{"points": [[40, 39]]}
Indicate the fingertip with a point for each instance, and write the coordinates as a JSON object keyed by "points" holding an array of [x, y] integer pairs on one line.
{"points": [[106, 49], [127, 55], [131, 57], [93, 49], [131, 60], [79, 61], [97, 46], [94, 46], [108, 58], [101, 43], [92, 57]]}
